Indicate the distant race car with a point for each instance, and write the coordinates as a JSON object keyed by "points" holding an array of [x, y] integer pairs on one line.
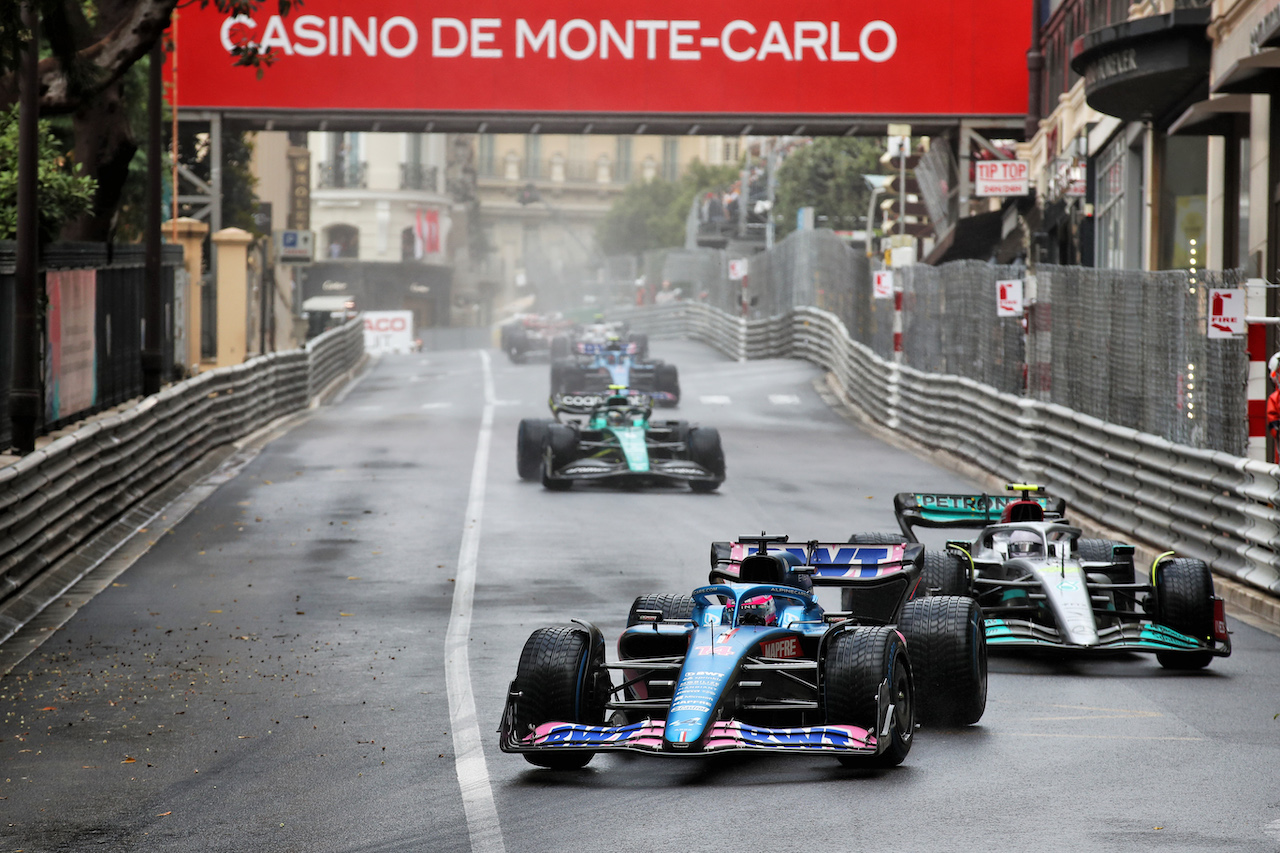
{"points": [[531, 334], [610, 438], [752, 662], [1041, 585], [587, 365]]}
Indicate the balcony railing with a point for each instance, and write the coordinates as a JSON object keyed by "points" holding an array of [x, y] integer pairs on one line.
{"points": [[416, 176], [339, 175], [560, 170]]}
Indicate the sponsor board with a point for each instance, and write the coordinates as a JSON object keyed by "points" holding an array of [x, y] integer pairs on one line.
{"points": [[388, 331], [575, 56]]}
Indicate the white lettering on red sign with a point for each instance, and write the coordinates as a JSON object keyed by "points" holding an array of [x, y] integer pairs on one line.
{"points": [[575, 40], [785, 648]]}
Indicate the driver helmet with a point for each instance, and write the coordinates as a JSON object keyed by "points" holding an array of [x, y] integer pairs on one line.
{"points": [[615, 418], [759, 610], [1024, 543]]}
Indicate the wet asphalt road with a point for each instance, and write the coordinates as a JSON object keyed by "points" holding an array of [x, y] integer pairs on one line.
{"points": [[270, 675]]}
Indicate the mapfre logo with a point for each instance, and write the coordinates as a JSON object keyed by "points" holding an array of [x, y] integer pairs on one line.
{"points": [[788, 648]]}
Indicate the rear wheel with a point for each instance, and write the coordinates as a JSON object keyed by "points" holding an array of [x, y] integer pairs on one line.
{"points": [[560, 679], [1184, 596], [517, 344], [674, 608], [945, 573], [559, 347], [530, 440], [948, 646], [705, 450], [856, 664], [667, 379], [641, 340]]}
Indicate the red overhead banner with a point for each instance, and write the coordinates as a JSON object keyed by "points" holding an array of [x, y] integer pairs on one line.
{"points": [[852, 57]]}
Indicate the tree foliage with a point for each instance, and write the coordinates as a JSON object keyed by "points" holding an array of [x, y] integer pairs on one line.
{"points": [[651, 214], [63, 193], [827, 176], [92, 53], [92, 43]]}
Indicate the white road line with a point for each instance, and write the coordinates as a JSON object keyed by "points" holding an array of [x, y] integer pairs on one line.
{"points": [[473, 774], [715, 400], [437, 405], [784, 399]]}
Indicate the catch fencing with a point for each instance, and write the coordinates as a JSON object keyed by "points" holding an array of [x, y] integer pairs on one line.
{"points": [[55, 499], [1126, 347], [1207, 504]]}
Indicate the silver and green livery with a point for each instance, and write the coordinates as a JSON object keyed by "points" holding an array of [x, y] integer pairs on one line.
{"points": [[1042, 585]]}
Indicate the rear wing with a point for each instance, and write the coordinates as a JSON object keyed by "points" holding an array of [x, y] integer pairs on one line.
{"points": [[880, 578], [586, 402], [924, 509], [628, 348]]}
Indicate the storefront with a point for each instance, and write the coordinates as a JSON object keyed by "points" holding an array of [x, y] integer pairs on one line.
{"points": [[1149, 192]]}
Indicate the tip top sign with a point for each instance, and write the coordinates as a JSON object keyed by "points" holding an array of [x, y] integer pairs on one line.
{"points": [[1001, 177]]}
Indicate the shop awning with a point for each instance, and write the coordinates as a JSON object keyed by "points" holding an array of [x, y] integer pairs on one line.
{"points": [[1256, 74], [1213, 117], [1142, 69]]}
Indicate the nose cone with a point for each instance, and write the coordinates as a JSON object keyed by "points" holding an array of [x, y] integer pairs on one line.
{"points": [[1069, 597]]}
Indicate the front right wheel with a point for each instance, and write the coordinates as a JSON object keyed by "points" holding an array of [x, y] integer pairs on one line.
{"points": [[857, 662], [1184, 592]]}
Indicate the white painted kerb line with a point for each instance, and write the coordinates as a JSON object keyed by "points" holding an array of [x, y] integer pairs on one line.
{"points": [[473, 774]]}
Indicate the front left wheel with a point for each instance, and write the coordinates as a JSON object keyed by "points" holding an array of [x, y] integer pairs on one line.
{"points": [[560, 678]]}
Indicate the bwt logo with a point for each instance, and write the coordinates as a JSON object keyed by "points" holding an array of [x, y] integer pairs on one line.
{"points": [[386, 324]]}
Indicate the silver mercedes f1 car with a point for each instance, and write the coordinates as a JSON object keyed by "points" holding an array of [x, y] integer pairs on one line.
{"points": [[1042, 585]]}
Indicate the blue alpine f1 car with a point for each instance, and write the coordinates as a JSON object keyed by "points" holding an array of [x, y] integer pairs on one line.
{"points": [[594, 366], [1042, 585], [751, 661], [610, 438]]}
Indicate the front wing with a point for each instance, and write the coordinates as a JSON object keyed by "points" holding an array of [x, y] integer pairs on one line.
{"points": [[1129, 637], [726, 735], [661, 471]]}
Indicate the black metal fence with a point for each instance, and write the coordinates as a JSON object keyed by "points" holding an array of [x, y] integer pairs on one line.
{"points": [[117, 292]]}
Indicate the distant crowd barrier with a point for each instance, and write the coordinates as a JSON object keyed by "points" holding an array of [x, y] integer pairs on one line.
{"points": [[53, 500], [1206, 504]]}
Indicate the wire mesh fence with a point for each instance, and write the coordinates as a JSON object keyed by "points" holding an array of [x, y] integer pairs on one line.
{"points": [[1124, 346], [1130, 348]]}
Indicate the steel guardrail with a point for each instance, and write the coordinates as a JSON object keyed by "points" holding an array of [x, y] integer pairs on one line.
{"points": [[56, 498]]}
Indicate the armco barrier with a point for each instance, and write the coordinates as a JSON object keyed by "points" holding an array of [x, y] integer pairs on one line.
{"points": [[1206, 504], [54, 499]]}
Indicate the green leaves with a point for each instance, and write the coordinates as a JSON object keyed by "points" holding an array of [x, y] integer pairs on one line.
{"points": [[827, 175], [62, 194], [651, 215]]}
